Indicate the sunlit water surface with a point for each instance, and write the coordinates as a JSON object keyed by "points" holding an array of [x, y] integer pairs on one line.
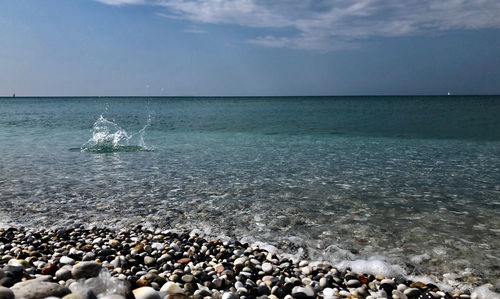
{"points": [[414, 180]]}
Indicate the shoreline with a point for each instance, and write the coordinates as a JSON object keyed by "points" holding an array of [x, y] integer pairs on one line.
{"points": [[175, 264]]}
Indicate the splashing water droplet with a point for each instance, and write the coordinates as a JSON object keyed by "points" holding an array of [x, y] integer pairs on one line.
{"points": [[108, 137]]}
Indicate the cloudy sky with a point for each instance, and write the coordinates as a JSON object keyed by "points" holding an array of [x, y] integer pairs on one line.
{"points": [[249, 47]]}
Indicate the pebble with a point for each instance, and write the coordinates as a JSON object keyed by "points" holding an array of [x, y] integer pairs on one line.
{"points": [[6, 293], [187, 278], [353, 283], [240, 261], [302, 292], [86, 270], [157, 264], [148, 260], [411, 292], [328, 292], [36, 289], [63, 274], [398, 295], [228, 295], [66, 260], [267, 267], [388, 281], [146, 293], [171, 288]]}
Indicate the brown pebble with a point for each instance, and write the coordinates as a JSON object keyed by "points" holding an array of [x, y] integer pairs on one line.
{"points": [[363, 279], [114, 243], [219, 269], [418, 284], [139, 248], [379, 277], [50, 269], [141, 282], [184, 260]]}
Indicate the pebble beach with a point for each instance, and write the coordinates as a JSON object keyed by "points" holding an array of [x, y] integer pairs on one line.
{"points": [[144, 263]]}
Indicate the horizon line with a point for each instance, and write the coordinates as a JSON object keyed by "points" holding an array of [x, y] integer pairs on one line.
{"points": [[243, 96]]}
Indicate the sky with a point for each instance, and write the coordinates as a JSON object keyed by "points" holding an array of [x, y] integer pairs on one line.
{"points": [[249, 47]]}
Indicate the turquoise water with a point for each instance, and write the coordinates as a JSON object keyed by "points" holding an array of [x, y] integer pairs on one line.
{"points": [[414, 180]]}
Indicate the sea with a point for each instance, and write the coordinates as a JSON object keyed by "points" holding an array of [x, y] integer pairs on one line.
{"points": [[408, 184]]}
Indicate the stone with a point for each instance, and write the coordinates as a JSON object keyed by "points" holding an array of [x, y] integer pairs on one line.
{"points": [[158, 246], [263, 290], [388, 281], [323, 282], [301, 292], [86, 270], [15, 270], [175, 247], [141, 282], [112, 296], [418, 284], [20, 262], [6, 293], [114, 243], [267, 267], [398, 295], [146, 293], [353, 283], [242, 291], [344, 293], [412, 292], [36, 289], [148, 260], [189, 288], [360, 292], [63, 274], [240, 262], [49, 269], [171, 288], [328, 292], [362, 278], [228, 295], [402, 287], [183, 261], [187, 278], [66, 260]]}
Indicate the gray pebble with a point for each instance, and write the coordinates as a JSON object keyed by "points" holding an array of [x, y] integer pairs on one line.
{"points": [[267, 267], [86, 270], [35, 289], [6, 293], [63, 274], [301, 292], [353, 283], [411, 292], [66, 260], [228, 295]]}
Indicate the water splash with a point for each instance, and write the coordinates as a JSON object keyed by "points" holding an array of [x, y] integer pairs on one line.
{"points": [[108, 137]]}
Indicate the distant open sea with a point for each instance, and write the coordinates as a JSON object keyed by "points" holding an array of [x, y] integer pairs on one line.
{"points": [[412, 181]]}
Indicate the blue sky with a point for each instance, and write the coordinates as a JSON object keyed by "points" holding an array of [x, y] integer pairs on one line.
{"points": [[249, 47]]}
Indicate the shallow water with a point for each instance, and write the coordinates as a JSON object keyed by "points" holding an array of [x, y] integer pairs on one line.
{"points": [[413, 179]]}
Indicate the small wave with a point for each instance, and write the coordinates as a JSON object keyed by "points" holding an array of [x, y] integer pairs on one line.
{"points": [[108, 137]]}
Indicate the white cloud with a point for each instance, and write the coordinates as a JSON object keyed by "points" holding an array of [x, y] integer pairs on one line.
{"points": [[330, 24]]}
